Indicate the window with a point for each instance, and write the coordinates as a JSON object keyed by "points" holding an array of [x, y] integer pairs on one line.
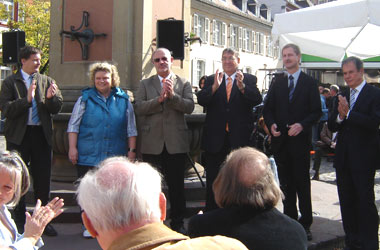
{"points": [[264, 11], [234, 36], [219, 32], [201, 27], [9, 7], [240, 37], [247, 40], [253, 42], [251, 6], [259, 43], [244, 5]]}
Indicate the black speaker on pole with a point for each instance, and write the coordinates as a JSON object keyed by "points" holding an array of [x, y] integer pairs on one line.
{"points": [[170, 35], [13, 41]]}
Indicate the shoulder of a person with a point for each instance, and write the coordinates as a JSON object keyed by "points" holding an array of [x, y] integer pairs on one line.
{"points": [[181, 79]]}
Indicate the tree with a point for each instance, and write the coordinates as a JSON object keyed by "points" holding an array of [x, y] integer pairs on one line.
{"points": [[33, 18]]}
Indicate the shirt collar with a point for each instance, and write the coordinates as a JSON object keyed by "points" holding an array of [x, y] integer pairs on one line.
{"points": [[232, 77], [25, 75], [295, 75], [161, 78], [360, 87]]}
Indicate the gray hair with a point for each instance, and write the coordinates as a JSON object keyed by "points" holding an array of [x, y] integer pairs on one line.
{"points": [[120, 193], [231, 51], [246, 179], [12, 163], [357, 62]]}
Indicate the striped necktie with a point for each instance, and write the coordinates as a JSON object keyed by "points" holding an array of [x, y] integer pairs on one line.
{"points": [[291, 87], [352, 98], [35, 117]]}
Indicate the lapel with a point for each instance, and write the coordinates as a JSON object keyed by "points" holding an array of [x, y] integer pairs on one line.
{"points": [[234, 90], [157, 84], [222, 90], [360, 98]]}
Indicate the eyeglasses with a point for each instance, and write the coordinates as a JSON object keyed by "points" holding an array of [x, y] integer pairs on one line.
{"points": [[230, 58], [165, 59]]}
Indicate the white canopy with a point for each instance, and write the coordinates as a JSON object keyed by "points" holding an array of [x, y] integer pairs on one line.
{"points": [[332, 29]]}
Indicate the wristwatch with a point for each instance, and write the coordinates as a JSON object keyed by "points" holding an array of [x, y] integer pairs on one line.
{"points": [[133, 150]]}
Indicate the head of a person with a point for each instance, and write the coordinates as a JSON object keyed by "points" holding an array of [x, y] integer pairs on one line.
{"points": [[104, 76], [162, 60], [202, 82], [320, 88], [120, 196], [334, 89], [326, 92], [353, 71], [291, 57], [246, 179], [30, 58], [230, 61], [14, 178]]}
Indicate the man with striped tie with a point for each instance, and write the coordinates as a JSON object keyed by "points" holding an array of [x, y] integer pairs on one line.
{"points": [[356, 118], [291, 108], [229, 98], [28, 100]]}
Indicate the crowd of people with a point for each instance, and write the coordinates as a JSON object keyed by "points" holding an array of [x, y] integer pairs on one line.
{"points": [[119, 192]]}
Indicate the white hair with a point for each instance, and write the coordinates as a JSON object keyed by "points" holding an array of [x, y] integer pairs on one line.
{"points": [[120, 193]]}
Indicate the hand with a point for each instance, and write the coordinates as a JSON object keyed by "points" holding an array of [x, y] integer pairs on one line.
{"points": [[343, 107], [218, 78], [52, 90], [42, 215], [73, 155], [168, 85], [273, 130], [131, 156], [31, 91], [333, 144], [295, 129], [239, 81], [163, 95]]}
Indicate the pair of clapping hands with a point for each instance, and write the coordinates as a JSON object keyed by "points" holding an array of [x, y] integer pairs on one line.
{"points": [[167, 91]]}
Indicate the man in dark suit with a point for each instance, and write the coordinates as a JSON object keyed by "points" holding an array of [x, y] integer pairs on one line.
{"points": [[229, 98], [356, 117], [291, 107], [28, 100]]}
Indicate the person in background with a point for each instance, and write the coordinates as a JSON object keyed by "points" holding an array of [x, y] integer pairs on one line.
{"points": [[247, 195], [28, 101], [14, 183], [124, 208], [102, 123]]}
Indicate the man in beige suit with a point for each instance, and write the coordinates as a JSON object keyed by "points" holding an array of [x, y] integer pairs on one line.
{"points": [[162, 101]]}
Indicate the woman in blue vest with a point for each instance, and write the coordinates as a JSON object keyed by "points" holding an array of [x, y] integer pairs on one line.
{"points": [[102, 123]]}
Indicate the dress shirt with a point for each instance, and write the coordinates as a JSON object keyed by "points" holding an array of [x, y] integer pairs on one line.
{"points": [[27, 84], [295, 75], [80, 108], [358, 88], [14, 240], [233, 76]]}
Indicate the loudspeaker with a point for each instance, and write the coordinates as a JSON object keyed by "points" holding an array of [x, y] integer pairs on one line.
{"points": [[170, 35], [12, 43]]}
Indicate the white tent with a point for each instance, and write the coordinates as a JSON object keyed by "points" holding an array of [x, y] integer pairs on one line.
{"points": [[333, 29]]}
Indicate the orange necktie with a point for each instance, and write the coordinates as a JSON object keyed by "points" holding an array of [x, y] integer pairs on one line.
{"points": [[228, 91]]}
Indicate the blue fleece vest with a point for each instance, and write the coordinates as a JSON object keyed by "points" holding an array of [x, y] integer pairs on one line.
{"points": [[103, 129]]}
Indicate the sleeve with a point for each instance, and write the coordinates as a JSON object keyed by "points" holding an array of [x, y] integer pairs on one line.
{"points": [[55, 103], [315, 108], [143, 106], [76, 116], [25, 244], [11, 106], [131, 126], [184, 102], [205, 95]]}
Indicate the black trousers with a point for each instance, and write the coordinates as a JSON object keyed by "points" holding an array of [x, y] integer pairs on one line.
{"points": [[213, 164], [37, 155], [172, 166], [293, 164], [357, 206]]}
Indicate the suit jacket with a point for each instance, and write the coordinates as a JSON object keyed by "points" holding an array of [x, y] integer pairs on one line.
{"points": [[164, 123], [15, 106], [258, 229], [358, 136], [304, 108], [237, 112]]}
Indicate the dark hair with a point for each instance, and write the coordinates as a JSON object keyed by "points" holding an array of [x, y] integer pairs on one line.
{"points": [[325, 90], [27, 51], [231, 51], [357, 62], [295, 47], [203, 78]]}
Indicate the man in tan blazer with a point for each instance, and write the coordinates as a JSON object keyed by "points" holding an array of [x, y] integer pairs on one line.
{"points": [[162, 101]]}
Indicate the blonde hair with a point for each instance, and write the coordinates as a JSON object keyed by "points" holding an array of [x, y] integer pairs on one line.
{"points": [[106, 67], [246, 179], [12, 163]]}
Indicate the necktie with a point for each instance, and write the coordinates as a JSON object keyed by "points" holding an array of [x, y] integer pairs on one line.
{"points": [[35, 117], [291, 87], [352, 98], [229, 88], [228, 91]]}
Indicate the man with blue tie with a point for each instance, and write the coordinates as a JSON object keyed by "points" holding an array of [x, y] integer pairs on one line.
{"points": [[291, 107], [356, 118], [28, 100]]}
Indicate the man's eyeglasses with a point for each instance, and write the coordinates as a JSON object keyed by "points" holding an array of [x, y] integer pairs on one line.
{"points": [[165, 59]]}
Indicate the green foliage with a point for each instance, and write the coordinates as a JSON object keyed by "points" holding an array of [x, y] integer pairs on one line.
{"points": [[34, 19]]}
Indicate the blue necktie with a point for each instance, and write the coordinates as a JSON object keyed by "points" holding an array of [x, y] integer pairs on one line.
{"points": [[35, 117], [291, 87], [352, 98]]}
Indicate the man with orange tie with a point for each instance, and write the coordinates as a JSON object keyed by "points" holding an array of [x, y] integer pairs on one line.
{"points": [[162, 102], [229, 98]]}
